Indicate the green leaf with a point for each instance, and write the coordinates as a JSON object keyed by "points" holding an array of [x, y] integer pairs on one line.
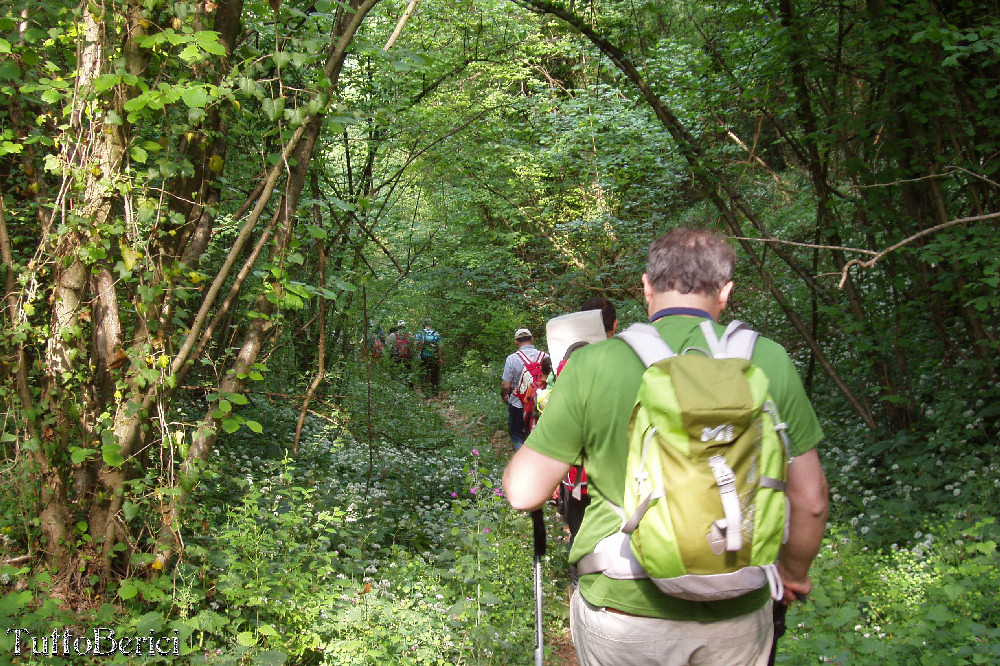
{"points": [[79, 454], [940, 614], [230, 425], [138, 154], [271, 658], [8, 148], [246, 639], [191, 53], [195, 97], [51, 96], [106, 82], [255, 427], [127, 591], [129, 510], [112, 455], [9, 72], [274, 108], [281, 58], [136, 103], [986, 547], [209, 41]]}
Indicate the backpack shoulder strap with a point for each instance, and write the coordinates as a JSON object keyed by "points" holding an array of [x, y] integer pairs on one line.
{"points": [[646, 342], [737, 341]]}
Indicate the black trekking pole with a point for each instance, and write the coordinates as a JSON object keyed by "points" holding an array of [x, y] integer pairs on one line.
{"points": [[778, 616], [538, 523]]}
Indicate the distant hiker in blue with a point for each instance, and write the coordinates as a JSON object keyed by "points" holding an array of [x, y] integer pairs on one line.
{"points": [[431, 356]]}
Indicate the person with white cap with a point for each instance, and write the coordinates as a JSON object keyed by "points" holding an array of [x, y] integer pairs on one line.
{"points": [[513, 368]]}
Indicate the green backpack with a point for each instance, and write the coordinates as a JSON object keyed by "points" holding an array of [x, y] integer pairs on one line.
{"points": [[704, 512]]}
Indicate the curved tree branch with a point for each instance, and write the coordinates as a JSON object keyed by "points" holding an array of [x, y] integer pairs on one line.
{"points": [[920, 234]]}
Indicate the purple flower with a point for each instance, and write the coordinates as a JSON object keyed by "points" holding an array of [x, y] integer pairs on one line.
{"points": [[498, 492], [475, 452], [486, 530], [454, 494], [473, 490]]}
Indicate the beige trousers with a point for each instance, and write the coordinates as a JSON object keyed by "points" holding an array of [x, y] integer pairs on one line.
{"points": [[604, 638]]}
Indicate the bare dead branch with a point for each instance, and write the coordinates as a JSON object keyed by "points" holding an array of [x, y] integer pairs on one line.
{"points": [[811, 246], [399, 26], [920, 234]]}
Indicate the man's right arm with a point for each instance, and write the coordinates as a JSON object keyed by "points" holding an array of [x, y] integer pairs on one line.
{"points": [[531, 477], [807, 494]]}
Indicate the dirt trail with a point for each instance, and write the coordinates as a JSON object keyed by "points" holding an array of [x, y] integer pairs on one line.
{"points": [[563, 652], [560, 645]]}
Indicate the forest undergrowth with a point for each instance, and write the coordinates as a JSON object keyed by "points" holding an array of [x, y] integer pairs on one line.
{"points": [[386, 540]]}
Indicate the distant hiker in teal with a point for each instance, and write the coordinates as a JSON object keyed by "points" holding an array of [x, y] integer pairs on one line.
{"points": [[515, 381], [431, 357], [620, 618]]}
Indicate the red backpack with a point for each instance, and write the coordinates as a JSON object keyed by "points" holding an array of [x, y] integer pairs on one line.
{"points": [[532, 379], [403, 345], [531, 375]]}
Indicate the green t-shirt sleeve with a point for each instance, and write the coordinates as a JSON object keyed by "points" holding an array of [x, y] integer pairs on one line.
{"points": [[804, 430], [559, 431]]}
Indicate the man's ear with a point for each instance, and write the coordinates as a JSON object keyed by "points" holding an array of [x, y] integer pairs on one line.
{"points": [[647, 288], [724, 293]]}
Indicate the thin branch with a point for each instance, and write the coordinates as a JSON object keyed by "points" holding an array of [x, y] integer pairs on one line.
{"points": [[399, 26], [321, 352], [920, 234], [947, 172], [10, 561], [812, 246]]}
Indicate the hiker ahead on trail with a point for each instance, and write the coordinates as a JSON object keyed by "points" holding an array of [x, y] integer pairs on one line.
{"points": [[680, 552], [521, 370], [398, 343], [428, 349]]}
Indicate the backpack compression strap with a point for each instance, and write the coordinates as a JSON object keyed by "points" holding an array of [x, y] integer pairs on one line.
{"points": [[524, 357], [646, 342], [613, 555], [737, 341]]}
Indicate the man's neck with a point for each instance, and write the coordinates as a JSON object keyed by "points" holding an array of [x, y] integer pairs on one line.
{"points": [[673, 299]]}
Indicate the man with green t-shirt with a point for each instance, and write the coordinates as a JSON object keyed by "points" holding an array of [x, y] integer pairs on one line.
{"points": [[618, 622]]}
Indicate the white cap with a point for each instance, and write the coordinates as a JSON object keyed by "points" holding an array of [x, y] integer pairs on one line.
{"points": [[400, 323], [522, 333]]}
